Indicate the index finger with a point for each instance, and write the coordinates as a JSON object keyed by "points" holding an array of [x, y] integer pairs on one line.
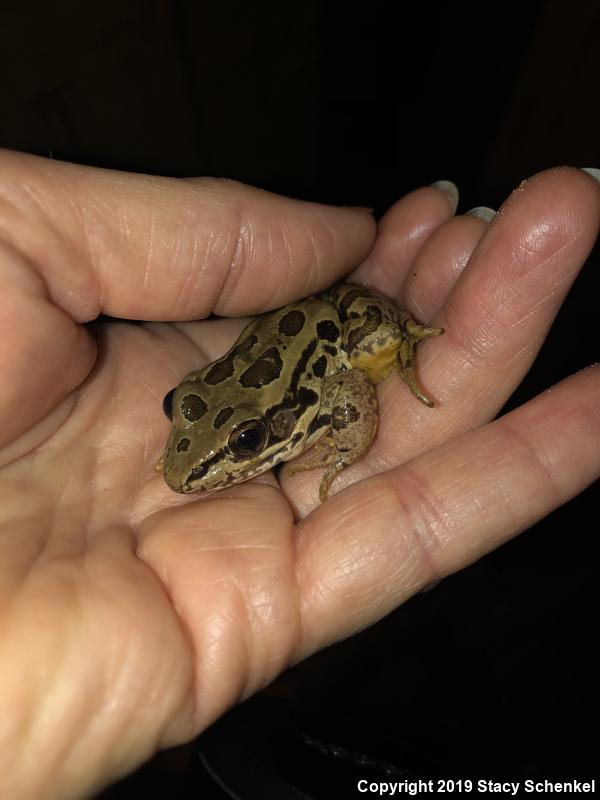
{"points": [[146, 247]]}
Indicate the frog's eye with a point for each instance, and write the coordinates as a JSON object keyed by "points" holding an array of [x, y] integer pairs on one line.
{"points": [[168, 404], [248, 438]]}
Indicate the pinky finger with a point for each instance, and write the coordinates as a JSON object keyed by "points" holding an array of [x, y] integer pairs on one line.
{"points": [[439, 265], [402, 232]]}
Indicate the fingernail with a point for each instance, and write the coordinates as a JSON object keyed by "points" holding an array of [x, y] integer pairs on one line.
{"points": [[485, 213], [450, 190], [593, 172]]}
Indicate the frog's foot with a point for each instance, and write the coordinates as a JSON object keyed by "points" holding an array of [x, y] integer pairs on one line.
{"points": [[327, 444], [406, 357], [336, 465], [160, 465], [418, 332], [330, 459]]}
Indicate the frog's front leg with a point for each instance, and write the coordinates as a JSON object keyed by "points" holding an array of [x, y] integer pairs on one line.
{"points": [[351, 397]]}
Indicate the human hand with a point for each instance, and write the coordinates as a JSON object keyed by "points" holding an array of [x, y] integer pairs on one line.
{"points": [[133, 617]]}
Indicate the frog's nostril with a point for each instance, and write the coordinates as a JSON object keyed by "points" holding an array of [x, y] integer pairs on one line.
{"points": [[168, 404]]}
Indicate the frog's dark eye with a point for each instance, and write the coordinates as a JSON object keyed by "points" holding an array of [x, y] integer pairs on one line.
{"points": [[248, 438], [168, 404]]}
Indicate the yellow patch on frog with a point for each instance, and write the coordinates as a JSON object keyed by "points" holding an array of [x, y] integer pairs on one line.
{"points": [[378, 365]]}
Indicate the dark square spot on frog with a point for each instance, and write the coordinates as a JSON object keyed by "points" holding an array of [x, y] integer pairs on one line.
{"points": [[265, 369], [183, 445], [292, 323], [222, 417], [307, 397], [319, 367], [193, 407], [342, 416], [328, 330], [220, 371], [223, 369]]}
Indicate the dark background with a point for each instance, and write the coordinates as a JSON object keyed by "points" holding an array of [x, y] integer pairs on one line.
{"points": [[491, 673]]}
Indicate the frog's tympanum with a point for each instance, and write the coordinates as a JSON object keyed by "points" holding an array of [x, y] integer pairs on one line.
{"points": [[297, 376]]}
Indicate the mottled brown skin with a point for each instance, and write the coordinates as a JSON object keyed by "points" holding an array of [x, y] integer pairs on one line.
{"points": [[352, 428], [297, 376]]}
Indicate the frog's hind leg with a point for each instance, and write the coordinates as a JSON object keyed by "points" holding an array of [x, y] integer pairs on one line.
{"points": [[414, 333], [353, 425]]}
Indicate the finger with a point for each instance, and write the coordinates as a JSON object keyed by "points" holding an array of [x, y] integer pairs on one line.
{"points": [[503, 304], [495, 320], [438, 265], [43, 356], [144, 247], [402, 232], [373, 546], [227, 567]]}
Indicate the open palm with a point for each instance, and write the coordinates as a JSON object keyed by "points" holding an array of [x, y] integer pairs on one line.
{"points": [[131, 616]]}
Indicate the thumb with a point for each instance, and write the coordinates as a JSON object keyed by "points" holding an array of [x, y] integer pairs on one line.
{"points": [[44, 354]]}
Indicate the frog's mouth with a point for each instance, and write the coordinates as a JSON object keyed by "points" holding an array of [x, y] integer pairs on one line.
{"points": [[198, 479], [221, 469]]}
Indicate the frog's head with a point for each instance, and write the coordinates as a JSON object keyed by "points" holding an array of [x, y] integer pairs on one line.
{"points": [[215, 444]]}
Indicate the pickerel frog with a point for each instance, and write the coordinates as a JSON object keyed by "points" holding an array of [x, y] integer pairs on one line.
{"points": [[297, 376]]}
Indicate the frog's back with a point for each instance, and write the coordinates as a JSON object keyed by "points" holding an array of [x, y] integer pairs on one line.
{"points": [[279, 349]]}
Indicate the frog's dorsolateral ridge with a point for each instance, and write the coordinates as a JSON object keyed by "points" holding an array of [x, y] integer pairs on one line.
{"points": [[297, 376]]}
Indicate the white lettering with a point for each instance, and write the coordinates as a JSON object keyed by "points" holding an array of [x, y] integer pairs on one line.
{"points": [[495, 786], [546, 786], [395, 789], [398, 787]]}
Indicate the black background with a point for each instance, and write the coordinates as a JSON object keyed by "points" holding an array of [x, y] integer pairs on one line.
{"points": [[493, 671]]}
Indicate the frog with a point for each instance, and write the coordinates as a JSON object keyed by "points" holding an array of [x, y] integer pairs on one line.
{"points": [[300, 376]]}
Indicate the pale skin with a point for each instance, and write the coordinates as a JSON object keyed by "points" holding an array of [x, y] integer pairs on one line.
{"points": [[133, 617]]}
